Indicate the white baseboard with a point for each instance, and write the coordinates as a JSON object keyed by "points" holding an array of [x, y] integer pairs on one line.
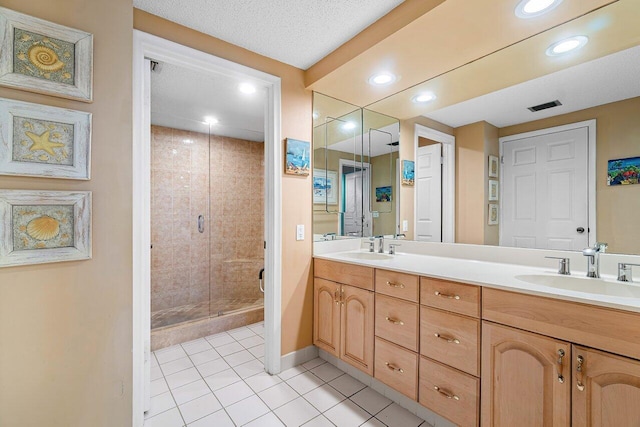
{"points": [[298, 357], [410, 405]]}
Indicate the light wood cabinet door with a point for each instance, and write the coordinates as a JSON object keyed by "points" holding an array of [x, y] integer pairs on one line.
{"points": [[523, 383], [326, 315], [356, 347], [606, 389]]}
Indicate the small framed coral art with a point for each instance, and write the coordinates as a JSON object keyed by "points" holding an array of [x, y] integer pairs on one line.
{"points": [[39, 227], [38, 140], [40, 56]]}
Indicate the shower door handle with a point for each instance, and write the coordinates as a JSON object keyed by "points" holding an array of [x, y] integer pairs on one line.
{"points": [[201, 223]]}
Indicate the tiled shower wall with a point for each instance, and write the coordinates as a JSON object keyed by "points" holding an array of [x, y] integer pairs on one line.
{"points": [[190, 172]]}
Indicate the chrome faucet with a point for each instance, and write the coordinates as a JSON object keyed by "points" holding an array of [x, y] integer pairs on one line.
{"points": [[372, 242], [593, 259], [329, 236], [624, 271]]}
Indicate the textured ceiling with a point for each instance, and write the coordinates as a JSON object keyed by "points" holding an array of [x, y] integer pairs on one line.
{"points": [[299, 33]]}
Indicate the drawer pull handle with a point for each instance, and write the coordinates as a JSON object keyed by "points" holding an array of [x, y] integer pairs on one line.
{"points": [[580, 373], [336, 298], [446, 393], [394, 321], [560, 357], [395, 285], [440, 294], [447, 339], [394, 368]]}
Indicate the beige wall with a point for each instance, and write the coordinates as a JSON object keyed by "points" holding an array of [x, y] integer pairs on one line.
{"points": [[491, 148], [618, 136], [66, 328], [381, 176]]}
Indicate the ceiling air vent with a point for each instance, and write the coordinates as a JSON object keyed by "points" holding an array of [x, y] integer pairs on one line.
{"points": [[545, 106]]}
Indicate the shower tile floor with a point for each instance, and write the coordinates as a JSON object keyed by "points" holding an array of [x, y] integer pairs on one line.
{"points": [[219, 381], [190, 312]]}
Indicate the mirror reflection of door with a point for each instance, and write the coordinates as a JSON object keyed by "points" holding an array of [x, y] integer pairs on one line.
{"points": [[356, 189], [429, 192]]}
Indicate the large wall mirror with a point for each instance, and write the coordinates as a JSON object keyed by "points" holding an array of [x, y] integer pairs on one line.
{"points": [[526, 141]]}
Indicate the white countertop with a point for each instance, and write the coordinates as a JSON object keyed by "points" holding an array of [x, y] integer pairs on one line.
{"points": [[606, 292]]}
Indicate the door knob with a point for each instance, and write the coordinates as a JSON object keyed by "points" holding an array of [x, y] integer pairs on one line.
{"points": [[580, 230]]}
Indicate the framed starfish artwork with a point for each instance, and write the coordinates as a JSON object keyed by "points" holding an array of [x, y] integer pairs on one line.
{"points": [[40, 56], [44, 226], [38, 140]]}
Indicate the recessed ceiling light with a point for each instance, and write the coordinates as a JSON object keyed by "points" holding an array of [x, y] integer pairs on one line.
{"points": [[382, 79], [532, 8], [247, 88], [210, 120], [567, 45], [349, 126], [423, 98]]}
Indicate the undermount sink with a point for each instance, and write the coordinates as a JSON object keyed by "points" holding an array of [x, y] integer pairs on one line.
{"points": [[372, 256], [583, 284]]}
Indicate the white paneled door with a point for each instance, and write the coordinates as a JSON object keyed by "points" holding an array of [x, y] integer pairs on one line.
{"points": [[429, 193], [357, 219], [545, 191]]}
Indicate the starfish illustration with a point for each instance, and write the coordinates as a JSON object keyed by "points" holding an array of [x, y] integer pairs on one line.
{"points": [[41, 142]]}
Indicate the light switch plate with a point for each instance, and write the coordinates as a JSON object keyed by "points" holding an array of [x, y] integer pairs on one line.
{"points": [[405, 225], [300, 232]]}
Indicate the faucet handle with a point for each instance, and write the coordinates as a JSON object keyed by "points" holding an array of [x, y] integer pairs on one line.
{"points": [[563, 264], [601, 247], [624, 271], [392, 248]]}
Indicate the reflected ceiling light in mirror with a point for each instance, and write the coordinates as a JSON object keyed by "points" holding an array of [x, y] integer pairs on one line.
{"points": [[315, 115], [532, 8], [247, 88], [423, 98], [567, 45], [349, 126], [382, 79], [210, 120]]}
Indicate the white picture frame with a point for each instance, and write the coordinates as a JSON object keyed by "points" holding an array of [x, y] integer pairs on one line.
{"points": [[493, 217], [33, 225], [41, 59], [494, 166], [493, 190], [325, 187], [67, 135]]}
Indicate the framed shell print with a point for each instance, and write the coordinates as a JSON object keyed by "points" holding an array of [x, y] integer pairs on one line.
{"points": [[38, 140], [40, 56], [39, 227]]}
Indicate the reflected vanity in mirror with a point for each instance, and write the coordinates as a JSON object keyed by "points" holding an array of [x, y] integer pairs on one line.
{"points": [[553, 122]]}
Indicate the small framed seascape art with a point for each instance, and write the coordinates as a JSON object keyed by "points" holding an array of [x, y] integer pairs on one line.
{"points": [[494, 166], [493, 190], [408, 172], [384, 194], [38, 140], [325, 187], [493, 214], [623, 171], [40, 56], [297, 157], [39, 227]]}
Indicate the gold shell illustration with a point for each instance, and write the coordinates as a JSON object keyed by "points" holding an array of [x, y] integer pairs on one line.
{"points": [[45, 58], [43, 228]]}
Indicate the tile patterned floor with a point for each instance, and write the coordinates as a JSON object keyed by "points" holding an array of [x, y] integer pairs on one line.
{"points": [[219, 381]]}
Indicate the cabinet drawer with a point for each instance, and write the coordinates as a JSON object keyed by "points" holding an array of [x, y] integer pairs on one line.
{"points": [[399, 285], [397, 367], [349, 274], [450, 296], [450, 393], [451, 339], [397, 321]]}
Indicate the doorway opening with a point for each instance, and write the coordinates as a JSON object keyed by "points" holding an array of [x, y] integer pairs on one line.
{"points": [[355, 193]]}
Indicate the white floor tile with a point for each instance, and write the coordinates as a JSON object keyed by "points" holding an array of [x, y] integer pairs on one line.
{"points": [[197, 346], [292, 372], [319, 421], [278, 395], [222, 379], [191, 391], [247, 410], [296, 412], [170, 418], [239, 358], [156, 373], [230, 348], [267, 420], [251, 341], [176, 366], [262, 381], [249, 369], [204, 357], [370, 400], [217, 419], [257, 329], [158, 386], [199, 408], [153, 360], [257, 351], [347, 385], [374, 423], [397, 416], [213, 367], [220, 339], [233, 393], [326, 372], [314, 363], [324, 397], [304, 383], [182, 378], [241, 333], [160, 403], [170, 353], [347, 414]]}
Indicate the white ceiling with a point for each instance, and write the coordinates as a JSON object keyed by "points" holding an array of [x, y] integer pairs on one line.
{"points": [[379, 142], [608, 79], [182, 98], [299, 32]]}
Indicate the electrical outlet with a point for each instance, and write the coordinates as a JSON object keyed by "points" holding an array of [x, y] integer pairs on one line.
{"points": [[300, 232], [405, 225]]}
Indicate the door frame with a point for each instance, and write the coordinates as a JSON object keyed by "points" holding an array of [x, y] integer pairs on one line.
{"points": [[150, 46], [352, 163], [448, 179], [591, 170]]}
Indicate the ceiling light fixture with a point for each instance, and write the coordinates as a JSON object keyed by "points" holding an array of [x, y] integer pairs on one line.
{"points": [[382, 79], [423, 98], [567, 45], [247, 88], [210, 120], [532, 8], [349, 126]]}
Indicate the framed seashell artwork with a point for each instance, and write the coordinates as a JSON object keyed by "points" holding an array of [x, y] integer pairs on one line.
{"points": [[38, 140], [40, 56], [39, 227]]}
